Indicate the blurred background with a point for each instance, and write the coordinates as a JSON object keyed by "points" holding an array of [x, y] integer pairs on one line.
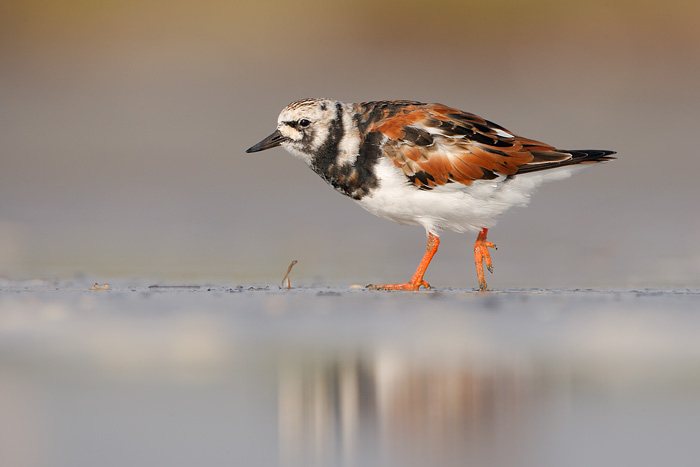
{"points": [[124, 126]]}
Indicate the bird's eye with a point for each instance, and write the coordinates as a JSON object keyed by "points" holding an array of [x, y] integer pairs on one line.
{"points": [[304, 123]]}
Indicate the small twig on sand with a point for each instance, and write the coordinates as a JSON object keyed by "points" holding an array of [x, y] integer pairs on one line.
{"points": [[286, 276]]}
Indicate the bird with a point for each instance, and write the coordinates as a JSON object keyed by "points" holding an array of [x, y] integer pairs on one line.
{"points": [[423, 164]]}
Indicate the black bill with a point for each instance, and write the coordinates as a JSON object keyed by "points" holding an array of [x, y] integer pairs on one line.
{"points": [[272, 141]]}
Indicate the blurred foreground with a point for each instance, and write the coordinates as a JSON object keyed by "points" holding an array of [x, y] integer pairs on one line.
{"points": [[215, 375]]}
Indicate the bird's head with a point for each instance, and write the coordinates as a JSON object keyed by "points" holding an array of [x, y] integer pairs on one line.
{"points": [[302, 127]]}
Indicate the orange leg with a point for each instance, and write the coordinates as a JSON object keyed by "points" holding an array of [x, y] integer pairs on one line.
{"points": [[417, 280], [481, 255]]}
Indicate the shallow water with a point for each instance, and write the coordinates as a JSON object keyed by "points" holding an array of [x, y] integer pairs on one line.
{"points": [[226, 375]]}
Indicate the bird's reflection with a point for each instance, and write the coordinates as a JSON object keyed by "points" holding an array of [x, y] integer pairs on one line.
{"points": [[350, 409]]}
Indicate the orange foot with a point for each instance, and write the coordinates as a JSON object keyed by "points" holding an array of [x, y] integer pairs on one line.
{"points": [[481, 256], [417, 280], [412, 286]]}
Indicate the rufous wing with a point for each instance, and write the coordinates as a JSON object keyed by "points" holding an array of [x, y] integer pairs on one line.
{"points": [[434, 145]]}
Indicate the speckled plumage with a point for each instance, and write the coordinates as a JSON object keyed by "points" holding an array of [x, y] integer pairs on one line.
{"points": [[421, 164]]}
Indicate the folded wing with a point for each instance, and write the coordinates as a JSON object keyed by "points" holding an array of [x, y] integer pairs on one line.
{"points": [[434, 145]]}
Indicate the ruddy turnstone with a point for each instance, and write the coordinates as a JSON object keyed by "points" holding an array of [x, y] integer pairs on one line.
{"points": [[423, 164]]}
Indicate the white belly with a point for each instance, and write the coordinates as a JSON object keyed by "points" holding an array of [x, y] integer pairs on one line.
{"points": [[453, 206]]}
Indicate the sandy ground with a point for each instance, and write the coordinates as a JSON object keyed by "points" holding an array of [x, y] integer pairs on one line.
{"points": [[258, 375]]}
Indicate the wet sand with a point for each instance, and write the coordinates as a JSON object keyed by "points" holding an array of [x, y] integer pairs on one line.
{"points": [[258, 375]]}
